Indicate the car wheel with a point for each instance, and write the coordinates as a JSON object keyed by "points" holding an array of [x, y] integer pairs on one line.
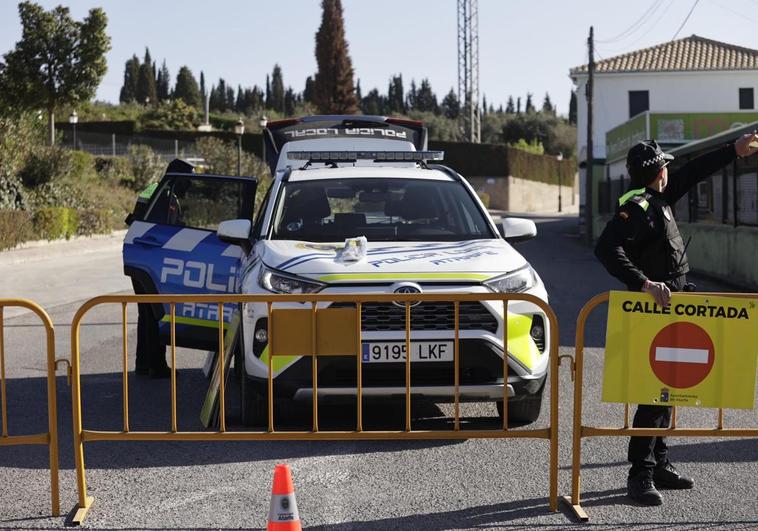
{"points": [[524, 411]]}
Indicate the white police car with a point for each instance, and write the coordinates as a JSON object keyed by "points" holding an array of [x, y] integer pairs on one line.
{"points": [[425, 231]]}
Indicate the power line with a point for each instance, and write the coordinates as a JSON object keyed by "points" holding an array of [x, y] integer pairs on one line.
{"points": [[650, 28], [635, 25], [685, 19]]}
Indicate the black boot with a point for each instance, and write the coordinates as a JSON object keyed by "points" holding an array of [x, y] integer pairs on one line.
{"points": [[641, 489], [668, 477]]}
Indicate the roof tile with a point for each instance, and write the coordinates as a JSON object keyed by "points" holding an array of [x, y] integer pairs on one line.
{"points": [[688, 54]]}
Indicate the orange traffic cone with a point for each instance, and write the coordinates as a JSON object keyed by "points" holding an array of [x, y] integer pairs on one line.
{"points": [[283, 515]]}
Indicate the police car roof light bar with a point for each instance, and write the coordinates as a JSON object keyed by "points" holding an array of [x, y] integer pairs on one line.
{"points": [[376, 156]]}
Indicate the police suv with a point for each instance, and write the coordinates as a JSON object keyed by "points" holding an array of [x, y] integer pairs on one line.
{"points": [[355, 206]]}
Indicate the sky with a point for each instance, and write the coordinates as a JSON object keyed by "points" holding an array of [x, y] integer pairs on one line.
{"points": [[524, 47]]}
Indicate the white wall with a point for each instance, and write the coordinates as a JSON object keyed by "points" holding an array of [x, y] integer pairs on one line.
{"points": [[668, 92]]}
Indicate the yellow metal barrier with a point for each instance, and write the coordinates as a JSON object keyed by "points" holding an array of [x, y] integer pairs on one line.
{"points": [[50, 438], [318, 348], [581, 431]]}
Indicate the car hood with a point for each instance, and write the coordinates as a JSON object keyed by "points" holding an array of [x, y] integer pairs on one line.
{"points": [[474, 261]]}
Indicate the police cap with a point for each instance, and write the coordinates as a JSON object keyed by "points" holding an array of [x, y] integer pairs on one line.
{"points": [[644, 161]]}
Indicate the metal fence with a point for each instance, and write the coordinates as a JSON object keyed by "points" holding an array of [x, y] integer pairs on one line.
{"points": [[323, 331], [113, 145], [50, 437], [581, 431]]}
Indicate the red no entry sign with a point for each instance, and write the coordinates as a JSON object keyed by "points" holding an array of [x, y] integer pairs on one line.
{"points": [[681, 355]]}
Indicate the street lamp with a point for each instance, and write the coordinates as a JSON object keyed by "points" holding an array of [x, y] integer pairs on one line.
{"points": [[262, 122], [239, 130], [559, 158], [73, 119]]}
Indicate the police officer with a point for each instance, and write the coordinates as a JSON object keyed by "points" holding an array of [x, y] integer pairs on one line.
{"points": [[641, 246]]}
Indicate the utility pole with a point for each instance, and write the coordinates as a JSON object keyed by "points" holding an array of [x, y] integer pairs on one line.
{"points": [[588, 181]]}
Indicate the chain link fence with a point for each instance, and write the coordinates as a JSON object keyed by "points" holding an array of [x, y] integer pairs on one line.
{"points": [[114, 145]]}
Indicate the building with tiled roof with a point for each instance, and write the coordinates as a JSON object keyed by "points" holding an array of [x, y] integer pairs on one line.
{"points": [[676, 92], [691, 54]]}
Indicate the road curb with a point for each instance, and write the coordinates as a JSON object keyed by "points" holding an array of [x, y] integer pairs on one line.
{"points": [[45, 250]]}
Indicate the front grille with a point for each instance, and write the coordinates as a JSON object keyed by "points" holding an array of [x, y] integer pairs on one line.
{"points": [[386, 317]]}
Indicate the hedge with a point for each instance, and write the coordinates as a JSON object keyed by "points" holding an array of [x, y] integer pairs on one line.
{"points": [[55, 222], [15, 227], [94, 221]]}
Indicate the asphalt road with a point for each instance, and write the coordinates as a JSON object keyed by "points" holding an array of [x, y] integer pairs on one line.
{"points": [[482, 484]]}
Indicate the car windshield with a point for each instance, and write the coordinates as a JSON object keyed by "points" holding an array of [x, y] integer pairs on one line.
{"points": [[385, 209]]}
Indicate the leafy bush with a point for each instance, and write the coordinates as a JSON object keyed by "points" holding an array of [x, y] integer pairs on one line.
{"points": [[535, 146], [46, 164], [114, 170], [172, 115], [94, 221], [19, 134], [15, 227], [55, 222], [146, 167], [221, 158]]}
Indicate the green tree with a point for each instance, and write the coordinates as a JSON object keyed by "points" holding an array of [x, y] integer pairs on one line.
{"points": [[572, 108], [395, 95], [426, 100], [309, 91], [58, 61], [290, 101], [334, 90], [510, 108], [147, 92], [172, 115], [547, 105], [131, 74], [529, 105], [277, 90], [186, 88], [203, 93], [374, 103], [451, 107], [163, 85]]}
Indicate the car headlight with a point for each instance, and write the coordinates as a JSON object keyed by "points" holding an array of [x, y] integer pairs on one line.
{"points": [[513, 282], [280, 283]]}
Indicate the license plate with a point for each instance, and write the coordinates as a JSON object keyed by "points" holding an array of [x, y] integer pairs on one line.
{"points": [[420, 351]]}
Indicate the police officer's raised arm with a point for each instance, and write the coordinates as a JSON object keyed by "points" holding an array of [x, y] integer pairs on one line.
{"points": [[694, 171], [622, 233]]}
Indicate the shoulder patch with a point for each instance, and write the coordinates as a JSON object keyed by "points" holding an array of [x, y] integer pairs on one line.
{"points": [[624, 215], [641, 201]]}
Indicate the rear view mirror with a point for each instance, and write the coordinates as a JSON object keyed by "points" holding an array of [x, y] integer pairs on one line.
{"points": [[236, 231], [516, 230]]}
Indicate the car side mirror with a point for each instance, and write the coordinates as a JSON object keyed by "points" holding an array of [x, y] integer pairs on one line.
{"points": [[235, 231], [516, 230]]}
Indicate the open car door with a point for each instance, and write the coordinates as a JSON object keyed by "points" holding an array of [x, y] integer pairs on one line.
{"points": [[172, 247]]}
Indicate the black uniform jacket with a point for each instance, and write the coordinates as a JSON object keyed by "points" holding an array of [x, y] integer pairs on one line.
{"points": [[642, 242]]}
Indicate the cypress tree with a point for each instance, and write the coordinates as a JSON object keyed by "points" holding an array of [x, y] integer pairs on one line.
{"points": [[334, 90], [289, 102], [203, 94], [268, 92], [146, 89], [163, 87], [309, 90], [277, 89], [131, 75], [395, 95], [484, 104], [510, 108], [529, 105], [547, 105], [451, 107], [572, 108], [518, 105], [186, 88]]}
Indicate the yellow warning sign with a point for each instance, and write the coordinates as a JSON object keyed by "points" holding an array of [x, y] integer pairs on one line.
{"points": [[700, 351]]}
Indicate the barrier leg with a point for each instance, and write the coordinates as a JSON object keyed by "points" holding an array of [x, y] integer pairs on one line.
{"points": [[52, 417], [84, 502]]}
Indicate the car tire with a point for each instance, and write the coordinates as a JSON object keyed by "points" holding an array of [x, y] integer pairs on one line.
{"points": [[524, 411]]}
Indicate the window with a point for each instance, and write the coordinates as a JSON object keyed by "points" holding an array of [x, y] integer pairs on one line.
{"points": [[746, 98], [639, 101], [201, 203], [381, 209]]}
